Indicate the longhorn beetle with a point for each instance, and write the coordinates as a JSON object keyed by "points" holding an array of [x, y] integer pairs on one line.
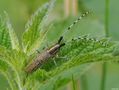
{"points": [[49, 52]]}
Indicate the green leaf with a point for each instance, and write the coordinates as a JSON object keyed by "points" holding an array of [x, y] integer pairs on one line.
{"points": [[8, 37], [3, 66], [13, 37], [35, 30], [4, 34], [64, 77], [78, 47], [5, 69], [12, 70]]}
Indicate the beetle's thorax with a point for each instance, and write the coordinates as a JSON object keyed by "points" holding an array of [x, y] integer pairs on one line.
{"points": [[54, 49]]}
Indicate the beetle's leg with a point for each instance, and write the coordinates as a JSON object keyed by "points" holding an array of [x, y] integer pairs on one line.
{"points": [[63, 57], [55, 62]]}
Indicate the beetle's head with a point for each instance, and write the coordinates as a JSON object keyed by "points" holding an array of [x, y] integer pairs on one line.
{"points": [[60, 41]]}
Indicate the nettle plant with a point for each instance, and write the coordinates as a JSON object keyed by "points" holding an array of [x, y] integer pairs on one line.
{"points": [[15, 57]]}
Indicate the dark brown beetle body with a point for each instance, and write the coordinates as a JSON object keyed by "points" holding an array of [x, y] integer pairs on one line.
{"points": [[43, 57]]}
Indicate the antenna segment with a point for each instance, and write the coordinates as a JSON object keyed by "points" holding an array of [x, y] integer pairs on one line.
{"points": [[75, 22]]}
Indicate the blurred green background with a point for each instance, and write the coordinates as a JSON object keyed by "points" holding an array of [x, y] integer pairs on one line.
{"points": [[20, 11]]}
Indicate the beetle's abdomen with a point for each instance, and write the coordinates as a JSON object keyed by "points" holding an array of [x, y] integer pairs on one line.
{"points": [[43, 57], [37, 62]]}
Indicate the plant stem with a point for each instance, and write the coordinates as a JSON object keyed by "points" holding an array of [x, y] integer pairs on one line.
{"points": [[73, 82], [104, 67], [104, 71], [75, 7], [67, 7]]}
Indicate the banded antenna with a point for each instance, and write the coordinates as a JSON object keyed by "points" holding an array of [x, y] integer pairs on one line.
{"points": [[76, 21]]}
